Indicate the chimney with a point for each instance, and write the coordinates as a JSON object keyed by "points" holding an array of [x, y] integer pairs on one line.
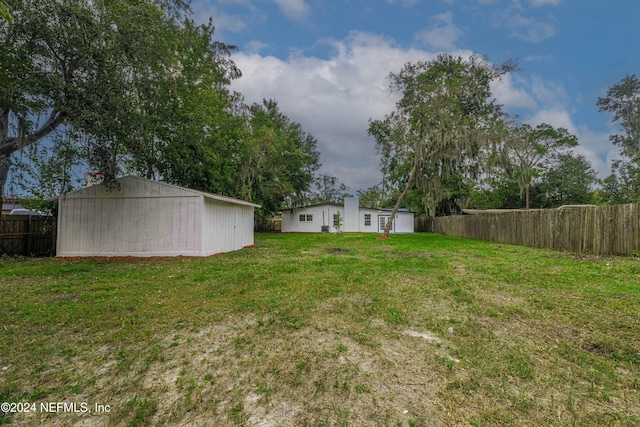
{"points": [[93, 178], [351, 214]]}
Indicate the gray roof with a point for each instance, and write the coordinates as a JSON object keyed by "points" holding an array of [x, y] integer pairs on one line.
{"points": [[8, 206], [205, 194], [341, 205]]}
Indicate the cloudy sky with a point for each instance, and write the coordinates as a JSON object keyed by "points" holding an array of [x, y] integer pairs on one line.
{"points": [[326, 62]]}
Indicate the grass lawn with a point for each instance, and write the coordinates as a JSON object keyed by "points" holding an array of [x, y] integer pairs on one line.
{"points": [[325, 330]]}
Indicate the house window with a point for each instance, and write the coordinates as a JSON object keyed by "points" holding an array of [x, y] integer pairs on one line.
{"points": [[336, 220], [303, 218], [367, 220], [309, 218]]}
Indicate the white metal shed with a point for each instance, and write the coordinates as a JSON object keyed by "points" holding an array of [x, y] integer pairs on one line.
{"points": [[140, 217]]}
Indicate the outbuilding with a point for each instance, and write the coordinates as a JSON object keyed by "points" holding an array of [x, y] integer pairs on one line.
{"points": [[139, 217], [349, 217]]}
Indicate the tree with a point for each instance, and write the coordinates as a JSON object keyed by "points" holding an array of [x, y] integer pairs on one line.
{"points": [[497, 192], [526, 149], [188, 131], [328, 189], [623, 100], [4, 12], [372, 197], [444, 117], [90, 65], [48, 170], [278, 160], [569, 179], [616, 191]]}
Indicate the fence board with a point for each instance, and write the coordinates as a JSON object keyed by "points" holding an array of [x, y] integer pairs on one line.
{"points": [[27, 235], [599, 230]]}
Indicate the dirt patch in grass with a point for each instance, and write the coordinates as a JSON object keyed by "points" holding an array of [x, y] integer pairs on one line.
{"points": [[405, 255], [338, 250]]}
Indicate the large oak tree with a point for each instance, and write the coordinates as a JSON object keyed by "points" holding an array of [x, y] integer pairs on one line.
{"points": [[109, 70], [440, 124]]}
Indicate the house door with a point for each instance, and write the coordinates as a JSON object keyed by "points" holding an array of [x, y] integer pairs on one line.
{"points": [[382, 222]]}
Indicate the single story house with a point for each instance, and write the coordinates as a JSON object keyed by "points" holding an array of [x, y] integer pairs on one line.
{"points": [[349, 217], [8, 205], [140, 217]]}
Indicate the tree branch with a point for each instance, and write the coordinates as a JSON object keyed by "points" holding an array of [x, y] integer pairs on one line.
{"points": [[13, 144]]}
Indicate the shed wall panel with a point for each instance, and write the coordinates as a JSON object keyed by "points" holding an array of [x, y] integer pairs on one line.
{"points": [[129, 226], [226, 227]]}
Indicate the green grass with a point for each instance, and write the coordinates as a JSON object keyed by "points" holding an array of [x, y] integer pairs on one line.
{"points": [[323, 330]]}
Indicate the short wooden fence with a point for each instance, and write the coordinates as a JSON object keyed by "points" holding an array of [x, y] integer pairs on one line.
{"points": [[27, 235], [599, 230]]}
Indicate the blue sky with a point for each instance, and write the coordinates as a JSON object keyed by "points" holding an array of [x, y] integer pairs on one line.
{"points": [[326, 62]]}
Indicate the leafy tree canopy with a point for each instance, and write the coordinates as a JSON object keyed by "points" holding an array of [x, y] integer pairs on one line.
{"points": [[443, 119], [94, 66], [136, 86], [623, 100]]}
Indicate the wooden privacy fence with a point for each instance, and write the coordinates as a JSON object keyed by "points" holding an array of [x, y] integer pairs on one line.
{"points": [[269, 226], [422, 224], [599, 230], [27, 235]]}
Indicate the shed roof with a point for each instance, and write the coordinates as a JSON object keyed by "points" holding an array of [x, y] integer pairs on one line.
{"points": [[213, 196]]}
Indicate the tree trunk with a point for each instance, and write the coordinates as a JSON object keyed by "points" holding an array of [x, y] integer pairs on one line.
{"points": [[527, 192], [5, 164], [387, 227], [13, 144]]}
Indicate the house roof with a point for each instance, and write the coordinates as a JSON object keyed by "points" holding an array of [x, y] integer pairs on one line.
{"points": [[203, 193], [493, 211], [9, 205], [341, 205]]}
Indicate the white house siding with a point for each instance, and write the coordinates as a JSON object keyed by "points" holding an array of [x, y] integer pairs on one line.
{"points": [[373, 227], [404, 222], [351, 214], [147, 218], [354, 219], [291, 218]]}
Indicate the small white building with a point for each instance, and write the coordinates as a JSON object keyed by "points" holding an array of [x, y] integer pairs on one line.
{"points": [[349, 217], [140, 217]]}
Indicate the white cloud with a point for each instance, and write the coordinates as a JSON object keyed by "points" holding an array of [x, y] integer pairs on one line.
{"points": [[255, 46], [539, 58], [597, 149], [296, 10], [556, 117], [443, 35], [226, 22], [524, 28], [538, 3], [403, 2], [334, 98], [511, 92], [548, 93]]}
